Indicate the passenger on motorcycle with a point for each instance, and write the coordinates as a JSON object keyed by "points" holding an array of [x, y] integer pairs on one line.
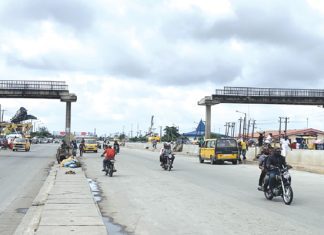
{"points": [[164, 153], [109, 154], [262, 165], [274, 162]]}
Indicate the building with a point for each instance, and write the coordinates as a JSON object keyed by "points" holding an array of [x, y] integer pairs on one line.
{"points": [[305, 138]]}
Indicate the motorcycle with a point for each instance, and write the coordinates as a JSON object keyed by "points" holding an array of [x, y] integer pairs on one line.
{"points": [[167, 161], [282, 186], [110, 168]]}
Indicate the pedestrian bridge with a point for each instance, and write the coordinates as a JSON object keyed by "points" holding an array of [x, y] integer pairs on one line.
{"points": [[251, 95], [40, 90], [36, 90]]}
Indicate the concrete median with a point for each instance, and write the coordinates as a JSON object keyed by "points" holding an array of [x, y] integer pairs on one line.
{"points": [[64, 205]]}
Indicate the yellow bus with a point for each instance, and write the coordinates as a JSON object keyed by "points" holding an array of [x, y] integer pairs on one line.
{"points": [[219, 150]]}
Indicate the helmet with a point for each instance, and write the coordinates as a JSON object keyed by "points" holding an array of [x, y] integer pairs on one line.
{"points": [[166, 145], [277, 151]]}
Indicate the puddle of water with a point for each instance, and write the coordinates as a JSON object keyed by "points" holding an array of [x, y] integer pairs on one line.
{"points": [[95, 190], [113, 229], [22, 210]]}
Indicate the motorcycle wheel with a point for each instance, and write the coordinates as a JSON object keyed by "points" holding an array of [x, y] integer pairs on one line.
{"points": [[288, 196], [170, 166], [268, 194]]}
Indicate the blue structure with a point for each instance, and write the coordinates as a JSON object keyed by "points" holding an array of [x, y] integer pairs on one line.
{"points": [[199, 132]]}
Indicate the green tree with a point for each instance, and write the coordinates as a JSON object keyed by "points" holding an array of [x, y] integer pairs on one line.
{"points": [[171, 133], [42, 132]]}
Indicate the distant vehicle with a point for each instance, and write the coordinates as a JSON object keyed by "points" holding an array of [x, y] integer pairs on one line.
{"points": [[21, 144], [4, 143], [43, 140], [56, 141], [219, 150], [90, 145], [11, 136]]}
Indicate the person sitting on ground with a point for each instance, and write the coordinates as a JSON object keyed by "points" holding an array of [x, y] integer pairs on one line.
{"points": [[109, 155]]}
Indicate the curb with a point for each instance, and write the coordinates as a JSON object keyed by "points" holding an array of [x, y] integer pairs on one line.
{"points": [[30, 222]]}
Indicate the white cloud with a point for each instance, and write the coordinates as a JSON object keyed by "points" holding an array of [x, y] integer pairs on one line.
{"points": [[127, 60]]}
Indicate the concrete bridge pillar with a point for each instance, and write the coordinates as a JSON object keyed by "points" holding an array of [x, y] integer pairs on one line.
{"points": [[208, 122], [68, 99], [68, 123]]}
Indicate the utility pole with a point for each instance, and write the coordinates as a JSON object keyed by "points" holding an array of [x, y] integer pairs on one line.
{"points": [[233, 129], [280, 125], [227, 126], [240, 120], [244, 127], [248, 128], [286, 121], [253, 127]]}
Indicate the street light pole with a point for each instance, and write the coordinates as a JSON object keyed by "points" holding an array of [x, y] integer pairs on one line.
{"points": [[244, 123]]}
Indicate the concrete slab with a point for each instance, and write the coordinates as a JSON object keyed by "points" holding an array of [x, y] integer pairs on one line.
{"points": [[60, 220], [74, 213], [69, 196], [66, 230], [70, 201], [70, 207]]}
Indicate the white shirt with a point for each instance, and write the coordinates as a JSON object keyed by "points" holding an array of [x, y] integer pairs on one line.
{"points": [[285, 144]]}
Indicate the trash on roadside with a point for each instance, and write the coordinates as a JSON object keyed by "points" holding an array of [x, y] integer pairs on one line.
{"points": [[70, 162], [70, 172]]}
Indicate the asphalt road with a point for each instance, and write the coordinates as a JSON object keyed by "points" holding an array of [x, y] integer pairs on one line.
{"points": [[21, 176], [199, 198]]}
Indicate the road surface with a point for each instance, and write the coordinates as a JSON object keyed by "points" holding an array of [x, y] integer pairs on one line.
{"points": [[21, 176], [199, 198]]}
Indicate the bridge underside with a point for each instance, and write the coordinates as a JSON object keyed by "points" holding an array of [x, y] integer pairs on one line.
{"points": [[33, 94], [217, 99]]}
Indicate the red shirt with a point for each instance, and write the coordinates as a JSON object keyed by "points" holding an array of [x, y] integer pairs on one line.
{"points": [[109, 154]]}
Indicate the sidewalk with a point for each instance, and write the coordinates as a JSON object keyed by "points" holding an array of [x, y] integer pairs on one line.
{"points": [[64, 205]]}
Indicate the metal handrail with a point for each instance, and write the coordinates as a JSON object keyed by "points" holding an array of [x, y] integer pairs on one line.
{"points": [[33, 85], [269, 92]]}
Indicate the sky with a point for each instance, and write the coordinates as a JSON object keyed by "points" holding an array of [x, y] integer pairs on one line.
{"points": [[129, 60]]}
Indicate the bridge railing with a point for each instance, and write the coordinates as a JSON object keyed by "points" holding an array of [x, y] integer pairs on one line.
{"points": [[268, 92], [33, 85]]}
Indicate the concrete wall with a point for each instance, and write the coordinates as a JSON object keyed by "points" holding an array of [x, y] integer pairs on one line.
{"points": [[296, 157]]}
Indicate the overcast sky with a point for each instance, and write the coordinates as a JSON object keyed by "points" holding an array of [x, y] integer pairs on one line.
{"points": [[127, 60]]}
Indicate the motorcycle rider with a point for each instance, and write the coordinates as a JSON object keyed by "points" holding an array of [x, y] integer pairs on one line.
{"points": [[165, 150], [274, 160], [262, 165], [116, 146], [109, 154]]}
